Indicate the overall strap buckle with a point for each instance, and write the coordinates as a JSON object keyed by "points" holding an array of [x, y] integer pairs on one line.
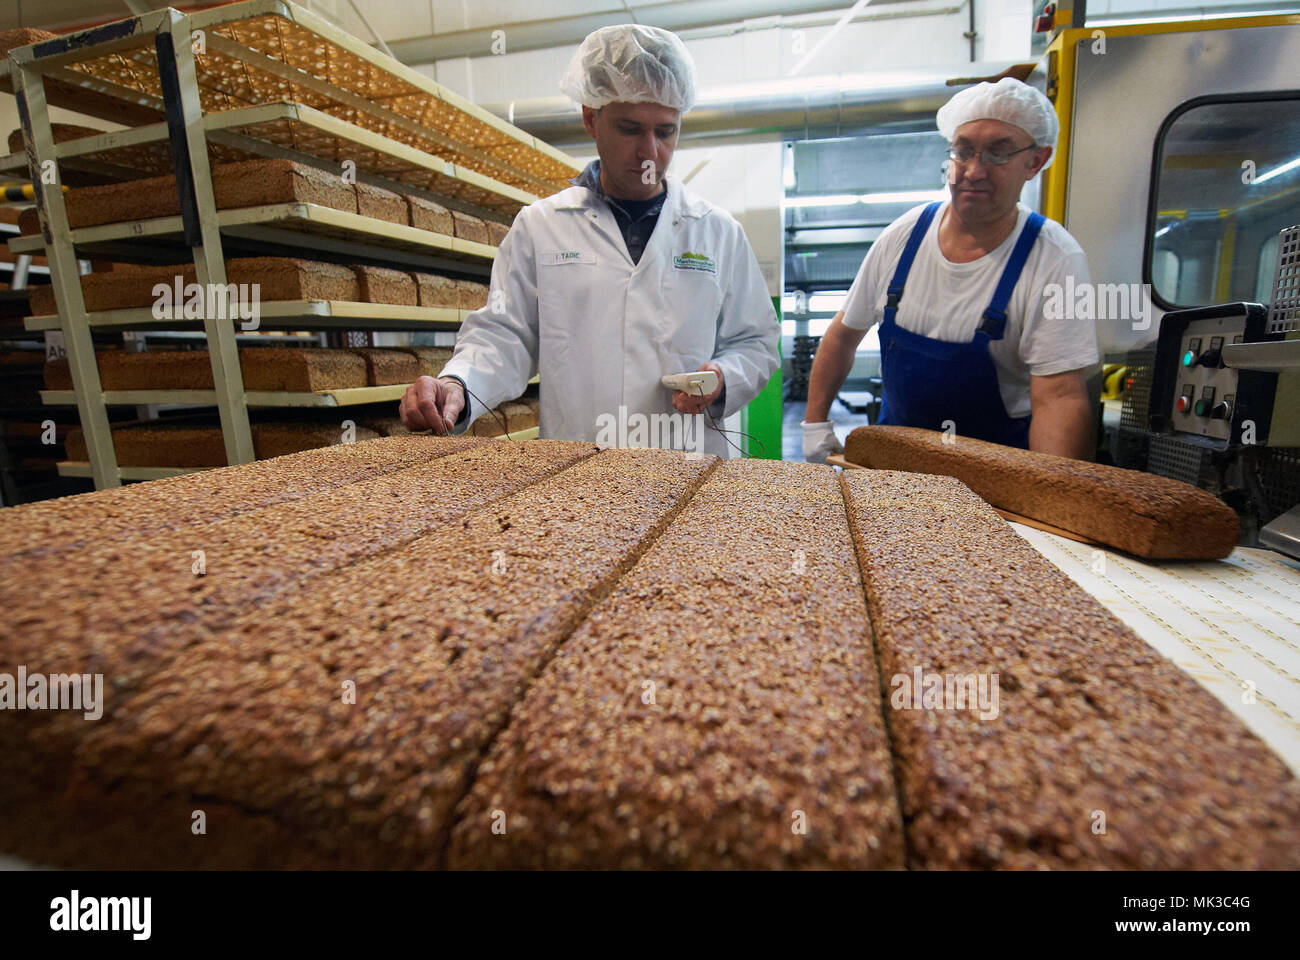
{"points": [[994, 323]]}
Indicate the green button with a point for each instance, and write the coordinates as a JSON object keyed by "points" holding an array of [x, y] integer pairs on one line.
{"points": [[1189, 358], [1202, 407]]}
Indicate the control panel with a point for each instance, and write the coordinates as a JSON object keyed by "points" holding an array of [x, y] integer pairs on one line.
{"points": [[1206, 389], [1194, 394]]}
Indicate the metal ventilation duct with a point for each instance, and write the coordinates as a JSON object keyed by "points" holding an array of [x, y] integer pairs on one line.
{"points": [[800, 108]]}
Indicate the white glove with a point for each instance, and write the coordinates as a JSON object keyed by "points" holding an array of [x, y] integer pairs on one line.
{"points": [[819, 441]]}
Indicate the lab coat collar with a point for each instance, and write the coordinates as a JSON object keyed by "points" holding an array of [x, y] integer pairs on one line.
{"points": [[679, 202]]}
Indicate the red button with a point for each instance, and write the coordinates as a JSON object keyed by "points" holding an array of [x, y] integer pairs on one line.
{"points": [[1184, 404]]}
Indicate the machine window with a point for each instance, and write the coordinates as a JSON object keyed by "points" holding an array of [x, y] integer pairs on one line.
{"points": [[1227, 181]]}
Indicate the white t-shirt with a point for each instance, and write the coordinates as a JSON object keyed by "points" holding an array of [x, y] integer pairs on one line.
{"points": [[943, 300]]}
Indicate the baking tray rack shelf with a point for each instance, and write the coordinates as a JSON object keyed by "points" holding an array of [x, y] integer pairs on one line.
{"points": [[262, 78]]}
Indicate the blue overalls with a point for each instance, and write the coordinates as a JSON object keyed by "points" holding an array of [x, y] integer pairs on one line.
{"points": [[928, 381]]}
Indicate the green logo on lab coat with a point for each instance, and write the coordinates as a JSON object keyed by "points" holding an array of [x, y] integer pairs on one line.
{"points": [[695, 261]]}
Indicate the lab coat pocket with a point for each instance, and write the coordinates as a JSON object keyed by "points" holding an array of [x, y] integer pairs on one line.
{"points": [[565, 279], [691, 324]]}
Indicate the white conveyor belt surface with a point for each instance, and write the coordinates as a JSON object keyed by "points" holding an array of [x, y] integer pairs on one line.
{"points": [[1233, 625]]}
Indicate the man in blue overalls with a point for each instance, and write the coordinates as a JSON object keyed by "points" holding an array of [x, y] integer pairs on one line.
{"points": [[958, 288]]}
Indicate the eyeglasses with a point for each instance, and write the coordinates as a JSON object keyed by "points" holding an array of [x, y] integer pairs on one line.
{"points": [[966, 154]]}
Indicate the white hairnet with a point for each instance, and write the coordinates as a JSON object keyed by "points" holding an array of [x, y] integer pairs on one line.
{"points": [[631, 63], [1008, 100]]}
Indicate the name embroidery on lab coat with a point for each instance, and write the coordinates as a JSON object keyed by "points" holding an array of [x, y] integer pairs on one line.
{"points": [[695, 261], [554, 257]]}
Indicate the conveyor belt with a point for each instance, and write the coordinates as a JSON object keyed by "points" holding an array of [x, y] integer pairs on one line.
{"points": [[1233, 625]]}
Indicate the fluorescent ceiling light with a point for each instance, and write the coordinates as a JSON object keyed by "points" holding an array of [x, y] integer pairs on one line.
{"points": [[1278, 171], [1140, 18], [905, 196], [845, 199], [1163, 230], [836, 200]]}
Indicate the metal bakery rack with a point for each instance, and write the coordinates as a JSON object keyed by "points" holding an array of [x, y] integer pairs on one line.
{"points": [[263, 78]]}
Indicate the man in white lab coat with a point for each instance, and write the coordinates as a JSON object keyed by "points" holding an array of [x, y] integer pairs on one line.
{"points": [[605, 287]]}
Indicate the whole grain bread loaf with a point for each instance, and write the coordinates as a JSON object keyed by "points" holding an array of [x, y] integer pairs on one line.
{"points": [[1080, 716], [52, 528], [469, 227], [275, 369], [161, 444], [519, 415], [296, 370], [382, 285], [432, 359], [493, 423], [433, 290], [479, 653], [29, 222], [63, 132], [427, 215], [389, 365], [22, 37], [717, 709], [1140, 513], [123, 286], [464, 665], [249, 183], [470, 294], [381, 204], [496, 232]]}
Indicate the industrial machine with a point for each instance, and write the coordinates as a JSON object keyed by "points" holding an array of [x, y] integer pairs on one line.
{"points": [[1223, 403]]}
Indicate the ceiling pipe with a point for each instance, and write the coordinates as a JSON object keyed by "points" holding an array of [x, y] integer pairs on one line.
{"points": [[801, 108], [569, 31]]}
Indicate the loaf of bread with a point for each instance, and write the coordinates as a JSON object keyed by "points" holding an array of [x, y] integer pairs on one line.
{"points": [[427, 215], [438, 291], [262, 182], [1087, 719], [469, 227], [432, 359], [496, 232], [381, 204], [519, 415], [387, 426], [296, 370], [382, 285], [433, 290], [493, 423], [278, 278], [540, 654], [250, 183], [157, 443], [1137, 512], [282, 278], [50, 528], [63, 132], [718, 709], [470, 294], [389, 365], [276, 369], [29, 222], [22, 37], [376, 779], [123, 286]]}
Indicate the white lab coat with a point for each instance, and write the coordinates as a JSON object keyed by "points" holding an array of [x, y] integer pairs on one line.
{"points": [[567, 303]]}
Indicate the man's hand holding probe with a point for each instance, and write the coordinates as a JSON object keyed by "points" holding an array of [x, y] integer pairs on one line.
{"points": [[689, 403], [430, 404]]}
